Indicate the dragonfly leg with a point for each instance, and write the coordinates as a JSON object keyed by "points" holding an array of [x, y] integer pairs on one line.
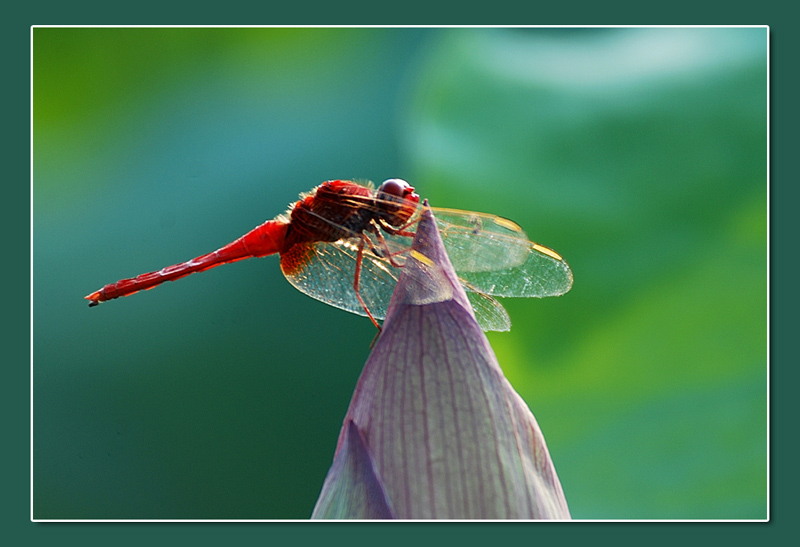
{"points": [[384, 252], [401, 231], [357, 277]]}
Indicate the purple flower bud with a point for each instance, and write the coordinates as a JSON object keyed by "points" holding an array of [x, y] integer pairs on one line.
{"points": [[434, 429]]}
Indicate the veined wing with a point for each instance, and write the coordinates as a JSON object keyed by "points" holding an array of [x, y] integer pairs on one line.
{"points": [[494, 256], [491, 315], [326, 271]]}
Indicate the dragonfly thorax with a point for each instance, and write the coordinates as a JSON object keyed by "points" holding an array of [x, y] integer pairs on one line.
{"points": [[335, 211]]}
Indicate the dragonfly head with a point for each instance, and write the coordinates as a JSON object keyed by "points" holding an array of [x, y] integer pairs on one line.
{"points": [[397, 201]]}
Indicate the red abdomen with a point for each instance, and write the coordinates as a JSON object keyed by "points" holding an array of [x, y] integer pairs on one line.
{"points": [[266, 239]]}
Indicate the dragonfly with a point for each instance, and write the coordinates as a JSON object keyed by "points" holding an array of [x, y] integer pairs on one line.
{"points": [[346, 243]]}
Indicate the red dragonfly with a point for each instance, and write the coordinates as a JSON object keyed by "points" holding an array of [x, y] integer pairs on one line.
{"points": [[345, 244]]}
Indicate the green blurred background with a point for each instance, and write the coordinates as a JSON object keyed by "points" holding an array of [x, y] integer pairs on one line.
{"points": [[640, 155]]}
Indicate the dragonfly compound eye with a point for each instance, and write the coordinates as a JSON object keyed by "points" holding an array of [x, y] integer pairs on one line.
{"points": [[400, 192], [395, 187]]}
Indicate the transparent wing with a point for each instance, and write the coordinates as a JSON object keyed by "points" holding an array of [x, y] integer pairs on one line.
{"points": [[326, 271], [494, 256], [491, 315], [477, 242]]}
